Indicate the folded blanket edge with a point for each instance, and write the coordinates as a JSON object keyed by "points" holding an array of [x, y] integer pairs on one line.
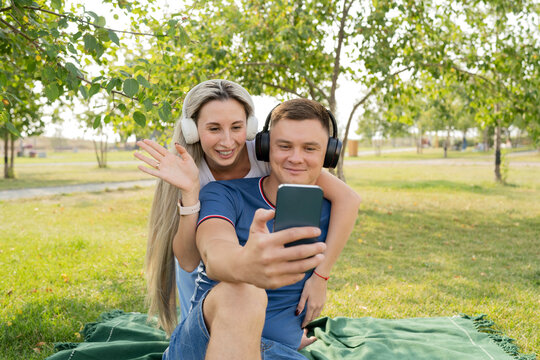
{"points": [[507, 344]]}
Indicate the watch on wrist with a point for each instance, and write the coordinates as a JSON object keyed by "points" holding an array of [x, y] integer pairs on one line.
{"points": [[188, 210]]}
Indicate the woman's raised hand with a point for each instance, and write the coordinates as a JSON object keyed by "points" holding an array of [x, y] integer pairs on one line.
{"points": [[178, 170]]}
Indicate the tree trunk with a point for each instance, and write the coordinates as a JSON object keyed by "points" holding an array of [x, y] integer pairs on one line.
{"points": [[446, 143], [497, 145], [419, 141], [486, 140], [377, 145], [101, 152], [6, 147], [12, 157]]}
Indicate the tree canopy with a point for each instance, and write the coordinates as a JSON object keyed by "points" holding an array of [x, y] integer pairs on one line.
{"points": [[485, 51]]}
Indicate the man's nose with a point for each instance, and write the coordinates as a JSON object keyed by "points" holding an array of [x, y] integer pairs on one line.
{"points": [[295, 155]]}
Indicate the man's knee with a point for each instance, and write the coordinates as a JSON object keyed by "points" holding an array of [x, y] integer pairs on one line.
{"points": [[236, 302]]}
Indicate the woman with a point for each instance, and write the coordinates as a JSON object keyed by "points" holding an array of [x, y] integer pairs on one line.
{"points": [[210, 144]]}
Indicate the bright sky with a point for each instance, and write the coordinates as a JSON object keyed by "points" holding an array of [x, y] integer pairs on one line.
{"points": [[71, 128]]}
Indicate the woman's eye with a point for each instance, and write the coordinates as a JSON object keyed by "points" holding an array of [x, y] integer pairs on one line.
{"points": [[284, 147], [213, 129], [238, 127]]}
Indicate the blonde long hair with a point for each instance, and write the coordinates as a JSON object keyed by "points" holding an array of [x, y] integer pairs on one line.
{"points": [[164, 218]]}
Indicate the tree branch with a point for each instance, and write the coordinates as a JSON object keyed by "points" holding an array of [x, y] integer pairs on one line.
{"points": [[308, 80], [89, 23], [265, 64], [311, 83], [17, 31], [341, 36], [291, 91]]}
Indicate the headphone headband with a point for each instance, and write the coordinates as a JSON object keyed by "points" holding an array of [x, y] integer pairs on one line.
{"points": [[332, 121], [333, 149], [189, 127]]}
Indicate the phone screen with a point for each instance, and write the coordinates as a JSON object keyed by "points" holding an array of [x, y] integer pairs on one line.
{"points": [[298, 205]]}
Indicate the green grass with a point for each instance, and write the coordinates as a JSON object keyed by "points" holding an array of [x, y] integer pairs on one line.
{"points": [[438, 153], [430, 240], [63, 261]]}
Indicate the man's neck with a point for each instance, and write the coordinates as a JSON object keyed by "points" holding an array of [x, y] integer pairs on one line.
{"points": [[270, 185]]}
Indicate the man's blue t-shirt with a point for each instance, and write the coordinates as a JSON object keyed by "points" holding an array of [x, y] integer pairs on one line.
{"points": [[236, 201]]}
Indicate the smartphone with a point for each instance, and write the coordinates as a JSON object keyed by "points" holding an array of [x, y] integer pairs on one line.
{"points": [[298, 205]]}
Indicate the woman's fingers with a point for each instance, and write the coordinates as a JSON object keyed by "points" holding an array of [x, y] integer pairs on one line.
{"points": [[152, 162], [154, 145], [150, 171], [153, 148], [184, 154]]}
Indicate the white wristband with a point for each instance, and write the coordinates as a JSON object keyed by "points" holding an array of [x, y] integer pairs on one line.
{"points": [[188, 210]]}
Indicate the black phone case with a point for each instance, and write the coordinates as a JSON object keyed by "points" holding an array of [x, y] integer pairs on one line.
{"points": [[298, 205]]}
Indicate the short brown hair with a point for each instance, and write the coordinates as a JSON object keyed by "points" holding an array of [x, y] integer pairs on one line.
{"points": [[301, 109]]}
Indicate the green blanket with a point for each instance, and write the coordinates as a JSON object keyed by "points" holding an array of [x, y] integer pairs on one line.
{"points": [[128, 336]]}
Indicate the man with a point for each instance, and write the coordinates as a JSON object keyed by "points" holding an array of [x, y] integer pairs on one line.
{"points": [[233, 317]]}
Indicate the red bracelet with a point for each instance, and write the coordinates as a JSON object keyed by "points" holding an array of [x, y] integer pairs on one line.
{"points": [[322, 277]]}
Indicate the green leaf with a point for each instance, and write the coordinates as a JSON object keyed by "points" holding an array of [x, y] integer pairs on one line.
{"points": [[131, 87], [63, 23], [48, 74], [111, 85], [52, 92], [184, 37], [139, 118], [148, 104], [90, 42], [114, 38], [12, 129], [4, 117], [72, 49], [164, 111], [101, 21], [56, 4], [94, 15], [125, 73], [97, 122], [83, 91], [143, 81], [72, 69], [172, 28], [94, 89]]}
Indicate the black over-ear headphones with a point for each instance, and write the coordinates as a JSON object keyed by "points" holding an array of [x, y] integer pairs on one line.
{"points": [[262, 143]]}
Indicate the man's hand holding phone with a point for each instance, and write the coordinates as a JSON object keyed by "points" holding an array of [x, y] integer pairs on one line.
{"points": [[268, 263]]}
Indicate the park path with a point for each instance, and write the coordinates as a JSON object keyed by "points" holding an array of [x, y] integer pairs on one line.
{"points": [[68, 189]]}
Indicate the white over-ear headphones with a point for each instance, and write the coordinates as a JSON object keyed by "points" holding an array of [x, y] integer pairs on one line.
{"points": [[189, 127]]}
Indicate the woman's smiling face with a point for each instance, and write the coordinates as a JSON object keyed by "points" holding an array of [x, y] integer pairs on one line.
{"points": [[222, 132]]}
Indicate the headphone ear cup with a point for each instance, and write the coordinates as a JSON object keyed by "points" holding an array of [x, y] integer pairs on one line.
{"points": [[333, 150], [189, 130], [251, 127], [262, 146]]}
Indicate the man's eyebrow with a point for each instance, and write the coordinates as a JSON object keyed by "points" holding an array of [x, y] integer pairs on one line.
{"points": [[310, 143]]}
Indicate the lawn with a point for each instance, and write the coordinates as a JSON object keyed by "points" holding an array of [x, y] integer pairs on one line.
{"points": [[433, 240]]}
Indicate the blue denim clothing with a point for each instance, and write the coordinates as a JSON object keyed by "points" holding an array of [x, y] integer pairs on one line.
{"points": [[190, 340], [185, 283]]}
